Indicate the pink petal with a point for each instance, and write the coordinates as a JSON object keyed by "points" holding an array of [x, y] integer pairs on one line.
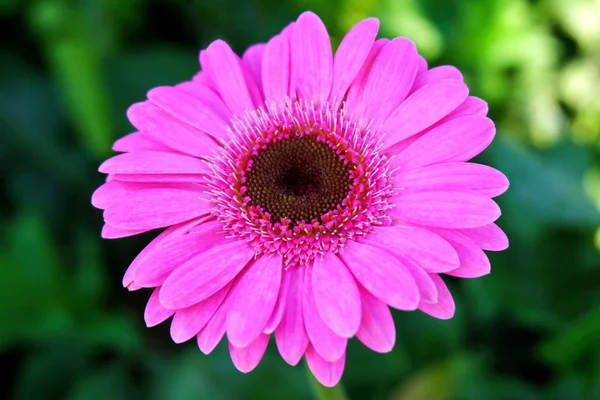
{"points": [[377, 330], [153, 162], [423, 108], [151, 208], [444, 308], [329, 345], [444, 208], [436, 74], [172, 253], [290, 335], [488, 237], [210, 336], [205, 274], [252, 60], [174, 134], [110, 232], [427, 291], [312, 58], [424, 247], [388, 82], [421, 65], [255, 296], [247, 358], [327, 373], [225, 68], [203, 78], [277, 314], [357, 87], [459, 139], [170, 178], [138, 141], [473, 261], [276, 69], [454, 176], [206, 95], [351, 55], [187, 322], [336, 295], [155, 313], [108, 193], [148, 251], [471, 106], [188, 109], [387, 279]]}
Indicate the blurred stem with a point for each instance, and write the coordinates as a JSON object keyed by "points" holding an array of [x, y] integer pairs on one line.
{"points": [[75, 62], [324, 393]]}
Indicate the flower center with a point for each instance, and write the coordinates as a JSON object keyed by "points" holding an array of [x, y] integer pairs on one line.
{"points": [[298, 178]]}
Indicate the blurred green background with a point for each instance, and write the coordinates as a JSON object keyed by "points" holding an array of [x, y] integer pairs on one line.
{"points": [[68, 330]]}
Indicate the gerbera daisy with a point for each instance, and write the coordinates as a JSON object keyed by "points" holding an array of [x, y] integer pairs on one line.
{"points": [[304, 193]]}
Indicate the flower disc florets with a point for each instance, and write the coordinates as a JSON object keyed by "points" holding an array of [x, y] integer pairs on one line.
{"points": [[299, 180]]}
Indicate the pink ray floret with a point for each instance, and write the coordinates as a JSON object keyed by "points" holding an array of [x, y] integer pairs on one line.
{"points": [[304, 193]]}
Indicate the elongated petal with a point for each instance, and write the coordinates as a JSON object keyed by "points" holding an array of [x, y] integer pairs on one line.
{"points": [[445, 208], [423, 108], [336, 295], [247, 358], [172, 253], [151, 208], [137, 141], [225, 68], [459, 139], [312, 58], [255, 296], [148, 251], [203, 275], [210, 336], [165, 129], [473, 261], [488, 237], [377, 330], [387, 279], [188, 322], [157, 178], [471, 106], [277, 313], [329, 345], [153, 162], [276, 69], [252, 60], [454, 176], [327, 373], [290, 335], [427, 249], [444, 308], [208, 96], [389, 80], [155, 313], [436, 74], [188, 109], [351, 55], [110, 232]]}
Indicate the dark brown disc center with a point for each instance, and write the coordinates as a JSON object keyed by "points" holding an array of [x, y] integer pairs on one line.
{"points": [[298, 178]]}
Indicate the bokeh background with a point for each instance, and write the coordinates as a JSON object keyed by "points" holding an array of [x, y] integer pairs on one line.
{"points": [[68, 330]]}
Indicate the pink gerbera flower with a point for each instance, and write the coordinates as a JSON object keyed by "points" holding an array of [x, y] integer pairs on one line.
{"points": [[304, 194]]}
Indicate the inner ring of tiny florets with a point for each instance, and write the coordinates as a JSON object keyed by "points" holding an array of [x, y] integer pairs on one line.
{"points": [[298, 178]]}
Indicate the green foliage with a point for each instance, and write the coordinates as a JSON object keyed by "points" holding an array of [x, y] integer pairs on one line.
{"points": [[70, 68]]}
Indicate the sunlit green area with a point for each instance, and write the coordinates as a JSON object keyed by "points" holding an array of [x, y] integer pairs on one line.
{"points": [[69, 70]]}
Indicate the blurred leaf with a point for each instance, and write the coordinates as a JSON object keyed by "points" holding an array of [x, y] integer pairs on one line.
{"points": [[96, 384], [576, 341], [76, 65]]}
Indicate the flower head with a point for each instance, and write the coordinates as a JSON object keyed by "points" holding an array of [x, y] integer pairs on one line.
{"points": [[304, 193]]}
